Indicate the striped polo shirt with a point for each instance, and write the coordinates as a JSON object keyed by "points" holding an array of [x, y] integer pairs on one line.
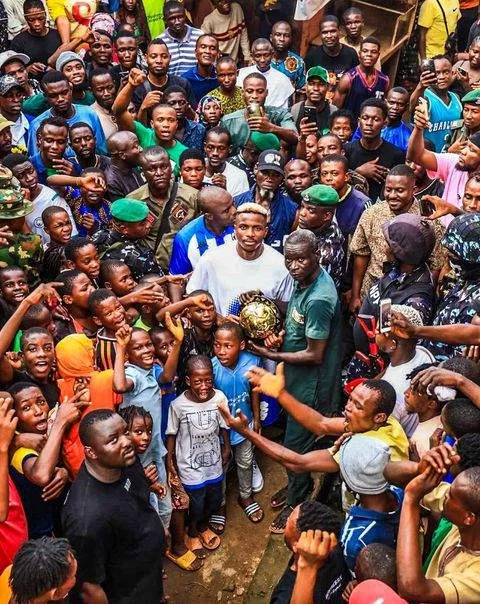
{"points": [[182, 52]]}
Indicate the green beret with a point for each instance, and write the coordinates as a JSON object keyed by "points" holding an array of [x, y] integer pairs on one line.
{"points": [[129, 210], [264, 141], [472, 97], [321, 195]]}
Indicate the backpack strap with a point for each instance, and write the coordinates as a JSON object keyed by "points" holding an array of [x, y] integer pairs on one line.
{"points": [[163, 228]]}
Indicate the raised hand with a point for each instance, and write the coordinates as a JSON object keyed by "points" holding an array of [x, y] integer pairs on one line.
{"points": [[266, 382], [314, 547], [136, 77], [123, 335], [175, 327], [202, 301], [71, 409], [8, 422]]}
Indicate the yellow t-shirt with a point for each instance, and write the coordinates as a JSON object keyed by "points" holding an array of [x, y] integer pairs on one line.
{"points": [[393, 436], [456, 570], [62, 8], [431, 18]]}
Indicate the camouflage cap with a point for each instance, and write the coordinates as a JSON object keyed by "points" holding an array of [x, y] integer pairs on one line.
{"points": [[12, 202]]}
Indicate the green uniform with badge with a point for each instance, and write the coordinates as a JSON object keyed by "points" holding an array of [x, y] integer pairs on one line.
{"points": [[313, 312]]}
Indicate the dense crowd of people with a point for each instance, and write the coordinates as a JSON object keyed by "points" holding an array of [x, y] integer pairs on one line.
{"points": [[203, 236]]}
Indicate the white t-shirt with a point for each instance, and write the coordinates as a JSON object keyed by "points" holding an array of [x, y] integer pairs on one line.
{"points": [[397, 377], [280, 88], [47, 197], [223, 273], [237, 181], [197, 446]]}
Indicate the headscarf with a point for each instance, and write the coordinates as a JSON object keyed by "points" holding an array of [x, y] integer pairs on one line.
{"points": [[201, 106], [103, 21], [75, 355]]}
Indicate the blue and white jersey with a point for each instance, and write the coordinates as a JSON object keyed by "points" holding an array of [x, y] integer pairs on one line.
{"points": [[235, 386], [363, 526], [442, 117], [191, 242]]}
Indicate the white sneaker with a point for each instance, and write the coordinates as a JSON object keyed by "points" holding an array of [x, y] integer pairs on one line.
{"points": [[257, 479]]}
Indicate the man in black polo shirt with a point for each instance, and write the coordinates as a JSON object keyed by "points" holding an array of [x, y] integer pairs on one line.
{"points": [[117, 536], [371, 156]]}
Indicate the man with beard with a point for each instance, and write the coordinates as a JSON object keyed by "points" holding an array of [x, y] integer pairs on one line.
{"points": [[159, 77], [52, 156], [58, 92], [172, 205], [298, 177], [83, 142], [284, 59], [104, 89], [267, 192], [454, 170], [117, 536]]}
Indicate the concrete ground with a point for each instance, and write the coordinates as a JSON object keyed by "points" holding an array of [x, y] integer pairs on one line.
{"points": [[250, 560]]}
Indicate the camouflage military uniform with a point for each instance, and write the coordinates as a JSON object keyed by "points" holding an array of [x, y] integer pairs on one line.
{"points": [[138, 258], [26, 252]]}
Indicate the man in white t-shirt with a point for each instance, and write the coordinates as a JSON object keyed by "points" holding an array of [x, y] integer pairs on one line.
{"points": [[280, 88], [404, 355], [243, 265], [219, 171]]}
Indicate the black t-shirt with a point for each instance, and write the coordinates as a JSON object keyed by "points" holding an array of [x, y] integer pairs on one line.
{"points": [[332, 579], [345, 60], [141, 92], [38, 48], [117, 537], [389, 155]]}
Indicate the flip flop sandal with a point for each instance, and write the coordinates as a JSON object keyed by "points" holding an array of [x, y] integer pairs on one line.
{"points": [[186, 561], [278, 525], [211, 543], [250, 510], [200, 552], [279, 499], [217, 524]]}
